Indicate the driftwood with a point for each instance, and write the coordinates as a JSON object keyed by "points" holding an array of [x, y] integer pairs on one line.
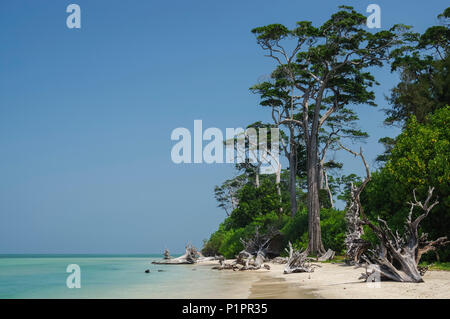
{"points": [[190, 257], [298, 261], [280, 260], [255, 249], [166, 254], [355, 246], [397, 257], [327, 256], [224, 265], [253, 256]]}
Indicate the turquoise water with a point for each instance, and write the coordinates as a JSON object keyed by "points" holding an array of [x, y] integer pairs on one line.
{"points": [[44, 276]]}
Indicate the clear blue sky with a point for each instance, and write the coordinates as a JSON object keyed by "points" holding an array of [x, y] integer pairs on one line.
{"points": [[86, 115]]}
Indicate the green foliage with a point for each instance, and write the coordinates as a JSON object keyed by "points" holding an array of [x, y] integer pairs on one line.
{"points": [[332, 224], [333, 228], [424, 69], [419, 159], [254, 202], [231, 245], [211, 247], [258, 207], [295, 228]]}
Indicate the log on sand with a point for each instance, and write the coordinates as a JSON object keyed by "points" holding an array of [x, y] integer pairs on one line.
{"points": [[190, 256]]}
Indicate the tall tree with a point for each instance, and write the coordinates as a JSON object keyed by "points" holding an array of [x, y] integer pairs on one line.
{"points": [[327, 69], [424, 72]]}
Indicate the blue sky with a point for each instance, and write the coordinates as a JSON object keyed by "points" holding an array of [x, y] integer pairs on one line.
{"points": [[86, 115]]}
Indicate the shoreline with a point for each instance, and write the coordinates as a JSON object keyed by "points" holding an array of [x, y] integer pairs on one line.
{"points": [[334, 281]]}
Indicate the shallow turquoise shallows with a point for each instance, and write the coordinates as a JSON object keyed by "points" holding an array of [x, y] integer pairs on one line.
{"points": [[44, 276]]}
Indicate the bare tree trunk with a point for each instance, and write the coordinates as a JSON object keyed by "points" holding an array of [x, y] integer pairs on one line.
{"points": [[293, 177], [277, 183], [327, 187], [315, 245], [278, 179]]}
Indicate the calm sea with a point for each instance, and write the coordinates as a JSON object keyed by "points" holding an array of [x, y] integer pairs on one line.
{"points": [[106, 276]]}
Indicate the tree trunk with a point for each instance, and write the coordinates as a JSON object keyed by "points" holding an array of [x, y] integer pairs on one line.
{"points": [[315, 245], [257, 177], [327, 187], [293, 174], [277, 182], [292, 183]]}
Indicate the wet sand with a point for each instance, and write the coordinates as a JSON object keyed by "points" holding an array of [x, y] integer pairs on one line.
{"points": [[269, 287]]}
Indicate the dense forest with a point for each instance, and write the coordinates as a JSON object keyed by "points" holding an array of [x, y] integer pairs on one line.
{"points": [[321, 75]]}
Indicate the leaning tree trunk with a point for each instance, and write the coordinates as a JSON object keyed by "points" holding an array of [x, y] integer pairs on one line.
{"points": [[315, 245]]}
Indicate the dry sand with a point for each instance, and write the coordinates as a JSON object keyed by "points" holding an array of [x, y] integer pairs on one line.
{"points": [[334, 281]]}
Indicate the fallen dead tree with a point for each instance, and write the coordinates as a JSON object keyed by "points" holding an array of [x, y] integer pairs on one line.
{"points": [[190, 256], [397, 256], [298, 261]]}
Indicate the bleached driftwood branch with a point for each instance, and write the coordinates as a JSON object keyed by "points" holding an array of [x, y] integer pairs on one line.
{"points": [[298, 261]]}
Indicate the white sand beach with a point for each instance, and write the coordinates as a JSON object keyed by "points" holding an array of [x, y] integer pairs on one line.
{"points": [[331, 280]]}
